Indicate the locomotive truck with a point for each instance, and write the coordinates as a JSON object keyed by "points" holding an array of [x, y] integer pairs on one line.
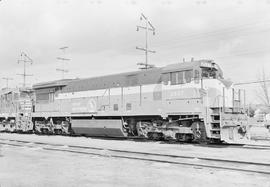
{"points": [[189, 101]]}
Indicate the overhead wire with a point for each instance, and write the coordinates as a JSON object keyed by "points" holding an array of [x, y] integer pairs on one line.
{"points": [[252, 82], [233, 29], [209, 36]]}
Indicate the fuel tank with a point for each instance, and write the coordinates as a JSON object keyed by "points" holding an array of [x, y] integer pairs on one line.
{"points": [[93, 127]]}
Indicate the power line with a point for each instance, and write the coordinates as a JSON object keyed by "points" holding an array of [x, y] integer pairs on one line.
{"points": [[244, 53], [185, 38], [227, 27], [224, 24], [148, 27], [247, 28], [252, 82], [243, 27], [204, 38], [63, 71]]}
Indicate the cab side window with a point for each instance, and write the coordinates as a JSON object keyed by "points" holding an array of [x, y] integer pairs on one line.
{"points": [[174, 78], [181, 79], [188, 76], [165, 78], [196, 76]]}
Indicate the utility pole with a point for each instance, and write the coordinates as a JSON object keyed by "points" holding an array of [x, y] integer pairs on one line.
{"points": [[25, 58], [63, 60], [7, 79], [148, 27]]}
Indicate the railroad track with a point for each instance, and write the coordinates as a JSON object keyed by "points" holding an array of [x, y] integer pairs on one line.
{"points": [[202, 162], [210, 145], [236, 146]]}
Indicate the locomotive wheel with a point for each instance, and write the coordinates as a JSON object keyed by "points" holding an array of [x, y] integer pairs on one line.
{"points": [[199, 132], [143, 128], [155, 136], [184, 137], [58, 131], [45, 131]]}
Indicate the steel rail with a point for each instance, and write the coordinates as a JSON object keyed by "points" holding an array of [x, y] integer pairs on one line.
{"points": [[214, 145], [143, 153], [124, 154]]}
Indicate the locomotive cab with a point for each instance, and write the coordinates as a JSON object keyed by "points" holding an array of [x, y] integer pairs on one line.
{"points": [[201, 104], [224, 117], [210, 70]]}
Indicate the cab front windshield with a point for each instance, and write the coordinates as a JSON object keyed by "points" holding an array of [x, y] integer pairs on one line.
{"points": [[211, 73]]}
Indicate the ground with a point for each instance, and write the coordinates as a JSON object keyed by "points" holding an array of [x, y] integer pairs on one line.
{"points": [[24, 166]]}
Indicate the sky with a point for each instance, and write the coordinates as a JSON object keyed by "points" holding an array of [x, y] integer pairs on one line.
{"points": [[101, 37]]}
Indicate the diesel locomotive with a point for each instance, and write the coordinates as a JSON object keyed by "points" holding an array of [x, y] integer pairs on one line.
{"points": [[189, 101], [16, 110]]}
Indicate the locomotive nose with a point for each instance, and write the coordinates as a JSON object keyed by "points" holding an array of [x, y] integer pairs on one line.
{"points": [[227, 83]]}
